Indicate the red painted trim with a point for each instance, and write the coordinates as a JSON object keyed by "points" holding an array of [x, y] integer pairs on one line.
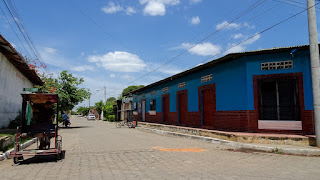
{"points": [[306, 122], [178, 93]]}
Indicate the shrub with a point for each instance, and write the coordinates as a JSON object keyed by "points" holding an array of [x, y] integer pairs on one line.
{"points": [[111, 118]]}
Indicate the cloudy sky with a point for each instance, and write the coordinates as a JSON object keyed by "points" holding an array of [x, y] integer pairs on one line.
{"points": [[114, 43]]}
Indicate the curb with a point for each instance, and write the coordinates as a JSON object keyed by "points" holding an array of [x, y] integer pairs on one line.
{"points": [[237, 145], [23, 146]]}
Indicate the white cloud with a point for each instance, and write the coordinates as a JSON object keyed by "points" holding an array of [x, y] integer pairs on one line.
{"points": [[127, 77], [50, 50], [168, 69], [235, 49], [119, 61], [227, 25], [238, 36], [50, 57], [195, 20], [195, 1], [203, 49], [112, 8], [243, 46], [253, 39], [82, 68], [157, 7], [112, 75], [130, 11]]}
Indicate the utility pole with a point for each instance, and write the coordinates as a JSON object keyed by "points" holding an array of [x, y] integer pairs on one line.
{"points": [[105, 94], [89, 101], [315, 65]]}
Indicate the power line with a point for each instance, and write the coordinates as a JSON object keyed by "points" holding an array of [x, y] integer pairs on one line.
{"points": [[240, 30], [261, 32], [22, 45], [202, 40], [15, 16]]}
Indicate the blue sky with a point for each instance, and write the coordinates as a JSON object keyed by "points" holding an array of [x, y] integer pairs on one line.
{"points": [[112, 43]]}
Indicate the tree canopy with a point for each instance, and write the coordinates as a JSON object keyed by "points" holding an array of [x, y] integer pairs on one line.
{"points": [[69, 92], [130, 88], [111, 99]]}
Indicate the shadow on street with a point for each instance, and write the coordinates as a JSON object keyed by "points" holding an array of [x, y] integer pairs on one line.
{"points": [[75, 127]]}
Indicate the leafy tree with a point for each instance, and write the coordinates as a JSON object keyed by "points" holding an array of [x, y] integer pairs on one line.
{"points": [[111, 99], [69, 92], [130, 88], [99, 107], [83, 110]]}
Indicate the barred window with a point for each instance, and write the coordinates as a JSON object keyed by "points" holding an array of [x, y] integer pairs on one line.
{"points": [[206, 78], [277, 65], [182, 85], [152, 104]]}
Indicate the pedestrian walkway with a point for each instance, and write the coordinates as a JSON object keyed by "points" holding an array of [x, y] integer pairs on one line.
{"points": [[280, 143]]}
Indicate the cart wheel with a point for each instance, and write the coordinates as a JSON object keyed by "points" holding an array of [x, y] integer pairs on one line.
{"points": [[58, 156], [130, 124], [118, 125], [16, 160]]}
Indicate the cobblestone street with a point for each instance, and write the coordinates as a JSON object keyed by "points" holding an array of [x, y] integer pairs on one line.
{"points": [[99, 150]]}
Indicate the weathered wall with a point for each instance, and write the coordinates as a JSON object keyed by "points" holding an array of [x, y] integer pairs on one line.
{"points": [[12, 83]]}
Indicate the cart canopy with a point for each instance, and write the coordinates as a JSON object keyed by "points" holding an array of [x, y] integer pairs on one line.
{"points": [[41, 98]]}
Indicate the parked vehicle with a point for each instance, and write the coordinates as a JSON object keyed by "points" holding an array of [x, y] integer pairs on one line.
{"points": [[91, 117], [37, 122]]}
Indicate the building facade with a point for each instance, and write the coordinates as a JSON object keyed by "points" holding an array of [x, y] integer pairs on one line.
{"points": [[14, 76], [258, 91]]}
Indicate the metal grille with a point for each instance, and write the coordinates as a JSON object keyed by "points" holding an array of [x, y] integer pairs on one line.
{"points": [[277, 65], [206, 78], [165, 89], [182, 85]]}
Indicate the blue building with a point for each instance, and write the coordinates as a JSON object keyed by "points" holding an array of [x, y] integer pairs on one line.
{"points": [[257, 91]]}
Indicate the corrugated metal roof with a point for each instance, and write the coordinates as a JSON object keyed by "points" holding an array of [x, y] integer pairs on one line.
{"points": [[221, 60], [18, 61]]}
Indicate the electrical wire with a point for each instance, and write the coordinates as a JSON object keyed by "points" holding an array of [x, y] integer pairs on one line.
{"points": [[202, 40]]}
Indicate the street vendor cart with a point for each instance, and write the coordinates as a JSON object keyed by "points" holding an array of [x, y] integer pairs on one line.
{"points": [[38, 121]]}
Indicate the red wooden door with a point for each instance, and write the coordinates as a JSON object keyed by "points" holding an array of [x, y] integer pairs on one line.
{"points": [[183, 108], [165, 104], [208, 108]]}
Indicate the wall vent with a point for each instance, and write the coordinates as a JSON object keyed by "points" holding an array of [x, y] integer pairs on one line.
{"points": [[182, 85], [277, 65], [206, 78], [165, 89], [153, 92], [143, 95]]}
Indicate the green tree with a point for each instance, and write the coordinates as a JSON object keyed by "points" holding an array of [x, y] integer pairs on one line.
{"points": [[69, 92], [83, 110], [130, 88], [111, 99], [99, 107]]}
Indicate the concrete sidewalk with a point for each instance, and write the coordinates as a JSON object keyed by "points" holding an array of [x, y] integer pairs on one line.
{"points": [[273, 143]]}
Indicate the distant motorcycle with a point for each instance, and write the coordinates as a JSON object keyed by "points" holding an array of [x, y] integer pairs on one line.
{"points": [[66, 121]]}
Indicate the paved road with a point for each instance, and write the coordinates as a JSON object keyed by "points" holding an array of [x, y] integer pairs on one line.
{"points": [[98, 150]]}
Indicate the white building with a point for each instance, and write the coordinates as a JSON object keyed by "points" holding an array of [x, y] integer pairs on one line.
{"points": [[15, 75]]}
